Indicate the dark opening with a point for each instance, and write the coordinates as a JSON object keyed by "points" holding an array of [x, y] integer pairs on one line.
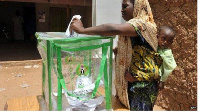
{"points": [[17, 34]]}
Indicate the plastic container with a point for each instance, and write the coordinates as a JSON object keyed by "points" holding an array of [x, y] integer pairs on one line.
{"points": [[77, 72]]}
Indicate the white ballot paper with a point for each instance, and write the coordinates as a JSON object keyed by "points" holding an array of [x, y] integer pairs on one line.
{"points": [[67, 31], [84, 105]]}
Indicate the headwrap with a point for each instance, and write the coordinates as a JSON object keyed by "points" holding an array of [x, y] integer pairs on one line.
{"points": [[143, 20]]}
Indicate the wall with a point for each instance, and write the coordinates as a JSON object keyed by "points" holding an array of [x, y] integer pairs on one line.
{"points": [[69, 2], [180, 92], [107, 11], [42, 26], [84, 11]]}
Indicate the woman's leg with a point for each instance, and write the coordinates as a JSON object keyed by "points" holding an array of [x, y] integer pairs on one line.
{"points": [[142, 95]]}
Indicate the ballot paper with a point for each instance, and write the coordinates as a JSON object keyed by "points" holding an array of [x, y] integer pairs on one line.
{"points": [[72, 34], [84, 93], [88, 105]]}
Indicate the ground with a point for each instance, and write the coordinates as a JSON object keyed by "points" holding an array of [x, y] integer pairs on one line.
{"points": [[15, 75], [19, 81]]}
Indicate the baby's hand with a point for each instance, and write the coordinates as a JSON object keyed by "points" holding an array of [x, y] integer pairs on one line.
{"points": [[115, 51], [129, 77], [161, 85]]}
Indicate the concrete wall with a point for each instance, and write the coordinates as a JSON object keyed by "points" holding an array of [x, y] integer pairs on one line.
{"points": [[107, 11], [180, 92]]}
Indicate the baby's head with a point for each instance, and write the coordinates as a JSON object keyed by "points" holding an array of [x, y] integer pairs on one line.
{"points": [[165, 37]]}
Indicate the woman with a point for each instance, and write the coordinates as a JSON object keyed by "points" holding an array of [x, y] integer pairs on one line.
{"points": [[136, 80]]}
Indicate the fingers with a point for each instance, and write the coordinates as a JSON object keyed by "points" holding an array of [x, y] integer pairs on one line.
{"points": [[72, 25], [76, 25], [115, 50], [76, 19]]}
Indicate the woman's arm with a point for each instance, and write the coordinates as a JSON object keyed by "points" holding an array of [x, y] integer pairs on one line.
{"points": [[105, 29]]}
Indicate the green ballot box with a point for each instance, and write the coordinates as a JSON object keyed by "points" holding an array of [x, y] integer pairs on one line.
{"points": [[77, 71]]}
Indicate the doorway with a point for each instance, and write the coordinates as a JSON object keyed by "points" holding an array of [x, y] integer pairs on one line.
{"points": [[59, 19], [29, 23], [18, 50]]}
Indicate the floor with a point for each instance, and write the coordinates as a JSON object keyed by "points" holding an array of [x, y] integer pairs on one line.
{"points": [[15, 80], [19, 79]]}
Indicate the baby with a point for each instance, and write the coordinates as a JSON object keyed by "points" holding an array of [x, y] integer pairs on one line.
{"points": [[165, 39], [165, 36]]}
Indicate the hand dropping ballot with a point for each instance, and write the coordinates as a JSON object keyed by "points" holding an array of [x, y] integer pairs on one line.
{"points": [[72, 34]]}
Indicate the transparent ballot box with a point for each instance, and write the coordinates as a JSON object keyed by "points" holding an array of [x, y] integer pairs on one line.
{"points": [[77, 71]]}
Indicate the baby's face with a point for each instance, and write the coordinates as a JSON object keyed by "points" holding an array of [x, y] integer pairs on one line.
{"points": [[164, 40]]}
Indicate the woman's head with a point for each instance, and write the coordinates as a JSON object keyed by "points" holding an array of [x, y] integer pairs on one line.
{"points": [[127, 9], [139, 9]]}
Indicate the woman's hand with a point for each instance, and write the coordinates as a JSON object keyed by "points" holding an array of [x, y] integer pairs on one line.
{"points": [[77, 25], [129, 77]]}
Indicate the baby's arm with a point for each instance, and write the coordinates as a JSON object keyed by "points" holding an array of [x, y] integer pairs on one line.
{"points": [[168, 65]]}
